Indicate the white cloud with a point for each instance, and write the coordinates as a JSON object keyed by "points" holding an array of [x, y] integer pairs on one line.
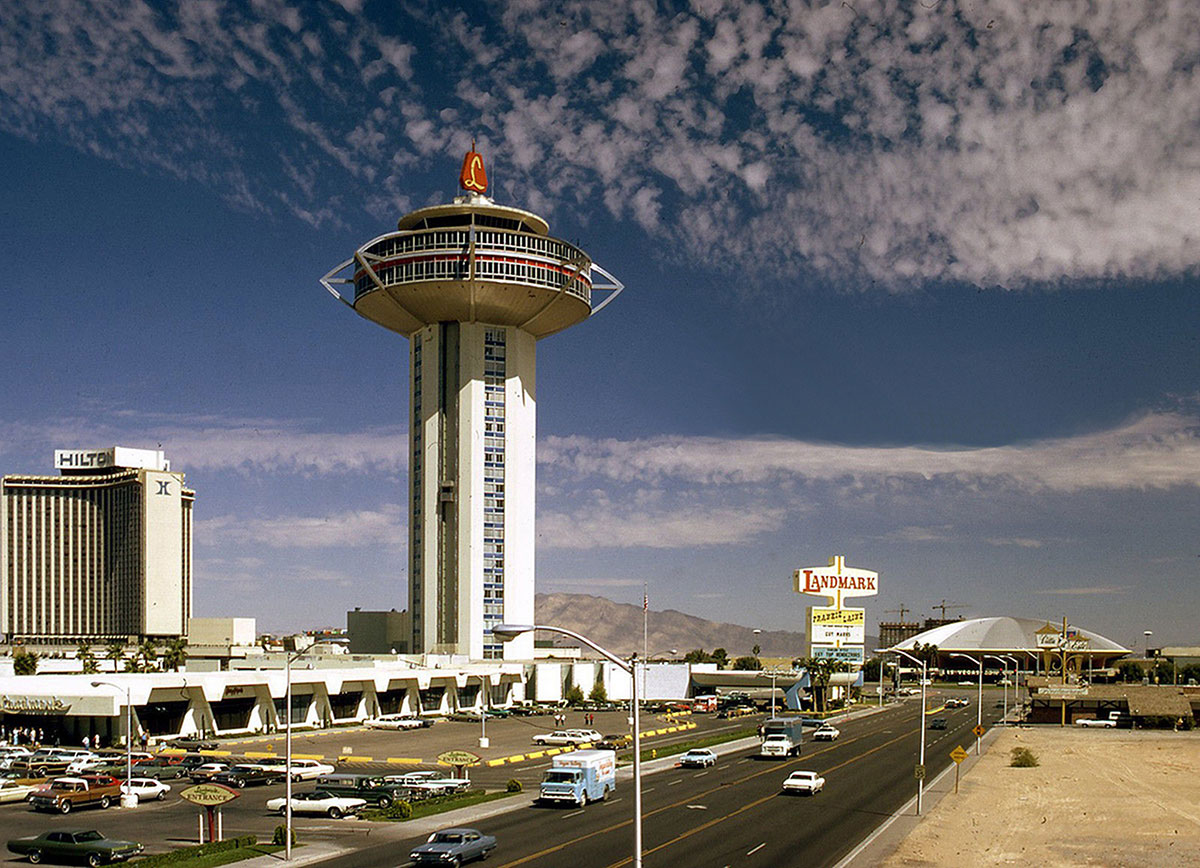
{"points": [[1099, 590], [354, 528], [1156, 451], [621, 526]]}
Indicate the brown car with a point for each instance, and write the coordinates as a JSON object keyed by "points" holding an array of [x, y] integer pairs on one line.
{"points": [[66, 794]]}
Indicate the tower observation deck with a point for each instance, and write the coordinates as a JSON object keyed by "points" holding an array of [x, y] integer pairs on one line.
{"points": [[473, 285]]}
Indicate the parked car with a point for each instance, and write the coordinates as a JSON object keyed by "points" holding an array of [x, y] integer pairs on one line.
{"points": [[373, 788], [247, 775], [809, 783], [74, 845], [826, 732], [435, 783], [145, 788], [397, 721], [310, 770], [618, 741], [318, 802], [66, 794], [1103, 722], [956, 702], [191, 742], [700, 757], [453, 847], [205, 771], [14, 791], [568, 736], [937, 723]]}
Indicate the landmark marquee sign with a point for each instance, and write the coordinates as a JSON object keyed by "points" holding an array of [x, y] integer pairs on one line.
{"points": [[33, 705], [836, 632]]}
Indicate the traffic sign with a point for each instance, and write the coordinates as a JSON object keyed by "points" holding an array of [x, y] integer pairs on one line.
{"points": [[958, 754], [919, 772], [978, 730]]}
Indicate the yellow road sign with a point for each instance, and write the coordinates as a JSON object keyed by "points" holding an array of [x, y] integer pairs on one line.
{"points": [[978, 730], [919, 773], [958, 754]]}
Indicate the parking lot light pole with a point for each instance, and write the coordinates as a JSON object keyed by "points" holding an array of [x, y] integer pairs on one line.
{"points": [[287, 774], [505, 632], [921, 758], [1016, 684], [979, 700], [128, 799]]}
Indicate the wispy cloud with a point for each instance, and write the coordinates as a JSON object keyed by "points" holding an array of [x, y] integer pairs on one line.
{"points": [[1100, 590], [999, 144], [589, 583], [1019, 542], [1156, 451], [616, 526], [357, 528]]}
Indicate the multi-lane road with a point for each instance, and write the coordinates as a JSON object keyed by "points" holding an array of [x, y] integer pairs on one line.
{"points": [[729, 815], [732, 814]]}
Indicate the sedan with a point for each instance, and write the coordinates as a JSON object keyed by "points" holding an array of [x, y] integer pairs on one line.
{"points": [[453, 847], [310, 770], [826, 732], [432, 782], [1102, 722], [74, 845], [145, 788], [804, 782], [320, 802], [247, 775], [205, 771], [700, 757], [12, 791], [567, 736], [395, 721]]}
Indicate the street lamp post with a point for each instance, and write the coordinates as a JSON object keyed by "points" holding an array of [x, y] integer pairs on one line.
{"points": [[287, 799], [1003, 663], [128, 799], [1016, 683], [979, 700], [506, 632], [921, 759]]}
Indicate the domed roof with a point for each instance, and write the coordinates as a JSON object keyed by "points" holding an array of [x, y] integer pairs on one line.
{"points": [[999, 634]]}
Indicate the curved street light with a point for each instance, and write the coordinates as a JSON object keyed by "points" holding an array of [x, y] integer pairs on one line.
{"points": [[979, 700], [507, 632], [921, 758], [1003, 663], [128, 799]]}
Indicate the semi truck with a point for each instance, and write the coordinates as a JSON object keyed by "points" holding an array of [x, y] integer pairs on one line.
{"points": [[782, 737], [580, 777]]}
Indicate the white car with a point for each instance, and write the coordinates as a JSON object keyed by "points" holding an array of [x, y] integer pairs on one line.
{"points": [[394, 721], [1097, 721], [700, 756], [80, 766], [804, 782], [310, 770], [826, 732], [567, 736], [11, 791], [435, 783], [145, 788], [334, 807]]}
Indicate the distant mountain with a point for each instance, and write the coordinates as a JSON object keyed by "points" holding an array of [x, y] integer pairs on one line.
{"points": [[618, 627]]}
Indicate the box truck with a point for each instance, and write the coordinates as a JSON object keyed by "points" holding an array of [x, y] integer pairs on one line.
{"points": [[580, 777], [782, 737]]}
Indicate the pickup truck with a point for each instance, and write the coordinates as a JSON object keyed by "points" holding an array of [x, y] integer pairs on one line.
{"points": [[66, 794]]}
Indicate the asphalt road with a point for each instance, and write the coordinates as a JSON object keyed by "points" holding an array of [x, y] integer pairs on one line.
{"points": [[733, 814], [730, 815]]}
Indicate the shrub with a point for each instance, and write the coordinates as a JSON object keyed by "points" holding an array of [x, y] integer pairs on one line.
{"points": [[189, 854], [1023, 758], [398, 810], [513, 786], [573, 696], [279, 839]]}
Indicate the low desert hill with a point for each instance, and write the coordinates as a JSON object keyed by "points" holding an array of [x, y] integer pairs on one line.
{"points": [[618, 627]]}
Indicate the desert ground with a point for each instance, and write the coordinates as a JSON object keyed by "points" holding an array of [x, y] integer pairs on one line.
{"points": [[1099, 797]]}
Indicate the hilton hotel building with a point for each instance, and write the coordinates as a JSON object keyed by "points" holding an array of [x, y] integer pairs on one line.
{"points": [[101, 552]]}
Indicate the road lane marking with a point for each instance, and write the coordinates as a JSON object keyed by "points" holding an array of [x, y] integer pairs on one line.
{"points": [[573, 814], [697, 807], [673, 783], [699, 774], [756, 849]]}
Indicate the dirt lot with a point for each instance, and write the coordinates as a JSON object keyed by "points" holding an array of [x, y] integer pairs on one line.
{"points": [[1099, 797]]}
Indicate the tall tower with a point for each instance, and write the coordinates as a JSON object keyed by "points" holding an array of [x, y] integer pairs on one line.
{"points": [[473, 285]]}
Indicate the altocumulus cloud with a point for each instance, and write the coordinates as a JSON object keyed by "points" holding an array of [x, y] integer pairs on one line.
{"points": [[1002, 143]]}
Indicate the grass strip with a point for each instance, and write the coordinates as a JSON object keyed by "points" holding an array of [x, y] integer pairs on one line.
{"points": [[435, 805], [208, 860], [703, 741]]}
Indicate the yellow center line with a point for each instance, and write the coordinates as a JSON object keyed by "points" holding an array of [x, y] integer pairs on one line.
{"points": [[692, 798]]}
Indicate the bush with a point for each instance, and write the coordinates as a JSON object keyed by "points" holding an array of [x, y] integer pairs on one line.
{"points": [[398, 810], [513, 786], [1023, 758], [573, 696], [279, 839]]}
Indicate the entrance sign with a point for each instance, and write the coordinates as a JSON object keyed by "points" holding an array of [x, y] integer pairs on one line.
{"points": [[458, 758], [209, 795]]}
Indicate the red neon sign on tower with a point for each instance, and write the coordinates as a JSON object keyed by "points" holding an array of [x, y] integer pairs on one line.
{"points": [[473, 176]]}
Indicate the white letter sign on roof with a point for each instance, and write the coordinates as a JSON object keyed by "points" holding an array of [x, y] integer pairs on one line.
{"points": [[836, 581]]}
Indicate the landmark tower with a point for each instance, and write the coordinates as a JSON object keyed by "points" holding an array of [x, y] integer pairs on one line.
{"points": [[473, 285]]}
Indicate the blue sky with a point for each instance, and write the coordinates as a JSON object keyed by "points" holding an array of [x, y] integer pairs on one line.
{"points": [[917, 286]]}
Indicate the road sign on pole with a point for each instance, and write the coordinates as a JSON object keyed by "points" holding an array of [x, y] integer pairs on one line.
{"points": [[958, 754], [978, 730], [919, 772]]}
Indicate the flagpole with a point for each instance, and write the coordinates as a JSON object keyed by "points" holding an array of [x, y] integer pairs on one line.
{"points": [[646, 621]]}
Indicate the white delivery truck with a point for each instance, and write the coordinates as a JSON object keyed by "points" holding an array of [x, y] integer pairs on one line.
{"points": [[580, 777], [782, 737]]}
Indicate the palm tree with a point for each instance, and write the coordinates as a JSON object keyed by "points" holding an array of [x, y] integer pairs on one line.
{"points": [[147, 655], [114, 651], [87, 659], [820, 671], [175, 654]]}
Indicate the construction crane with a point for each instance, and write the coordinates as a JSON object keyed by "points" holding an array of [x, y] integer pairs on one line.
{"points": [[944, 606], [902, 611]]}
